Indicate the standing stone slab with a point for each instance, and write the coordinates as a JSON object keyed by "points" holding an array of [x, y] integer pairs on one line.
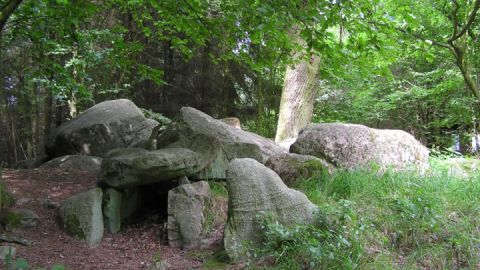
{"points": [[352, 146], [112, 210], [7, 251], [81, 216], [252, 189], [186, 206]]}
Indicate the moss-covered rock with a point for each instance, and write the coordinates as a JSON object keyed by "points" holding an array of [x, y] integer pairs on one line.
{"points": [[81, 216], [253, 189], [19, 218], [293, 167], [127, 168], [112, 210]]}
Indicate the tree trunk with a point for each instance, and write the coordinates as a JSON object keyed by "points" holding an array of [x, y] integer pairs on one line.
{"points": [[458, 51], [298, 97], [260, 105], [6, 11]]}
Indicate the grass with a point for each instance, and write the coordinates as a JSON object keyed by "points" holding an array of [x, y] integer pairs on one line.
{"points": [[215, 214], [389, 221]]}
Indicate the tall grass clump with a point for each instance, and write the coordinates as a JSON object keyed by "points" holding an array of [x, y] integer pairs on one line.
{"points": [[393, 220]]}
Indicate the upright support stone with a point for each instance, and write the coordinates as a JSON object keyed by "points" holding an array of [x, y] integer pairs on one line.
{"points": [[112, 210], [81, 216], [252, 189], [186, 205]]}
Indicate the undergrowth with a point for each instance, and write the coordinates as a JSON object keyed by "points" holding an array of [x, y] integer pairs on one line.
{"points": [[383, 221]]}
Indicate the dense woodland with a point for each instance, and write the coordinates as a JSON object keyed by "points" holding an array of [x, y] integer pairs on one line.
{"points": [[201, 193], [411, 65]]}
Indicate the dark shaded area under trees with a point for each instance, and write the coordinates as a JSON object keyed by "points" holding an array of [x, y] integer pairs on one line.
{"points": [[53, 68]]}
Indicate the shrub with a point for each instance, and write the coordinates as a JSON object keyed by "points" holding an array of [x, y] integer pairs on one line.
{"points": [[383, 221], [315, 246]]}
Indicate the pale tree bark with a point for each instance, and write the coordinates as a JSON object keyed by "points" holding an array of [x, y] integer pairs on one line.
{"points": [[458, 43], [298, 96]]}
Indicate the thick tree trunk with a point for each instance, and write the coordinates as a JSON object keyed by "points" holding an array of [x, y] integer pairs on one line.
{"points": [[458, 51], [298, 97], [6, 11]]}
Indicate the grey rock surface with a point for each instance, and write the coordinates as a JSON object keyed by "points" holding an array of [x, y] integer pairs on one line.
{"points": [[112, 210], [105, 126], [81, 216], [253, 189], [75, 163], [193, 127], [186, 208], [20, 218], [137, 167], [6, 251], [293, 167], [352, 146]]}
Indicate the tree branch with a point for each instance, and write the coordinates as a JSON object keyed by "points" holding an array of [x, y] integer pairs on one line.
{"points": [[454, 17], [471, 19], [7, 11]]}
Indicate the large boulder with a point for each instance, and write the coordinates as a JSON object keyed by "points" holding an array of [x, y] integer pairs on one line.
{"points": [[230, 142], [75, 163], [353, 146], [132, 167], [105, 126], [252, 189], [81, 216], [186, 208], [294, 167]]}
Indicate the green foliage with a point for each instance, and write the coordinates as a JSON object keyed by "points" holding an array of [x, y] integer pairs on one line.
{"points": [[15, 264], [428, 100], [160, 118], [215, 207], [22, 264], [11, 219], [218, 189], [316, 246], [390, 221]]}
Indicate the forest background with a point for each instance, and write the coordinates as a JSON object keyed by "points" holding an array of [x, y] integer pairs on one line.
{"points": [[410, 65]]}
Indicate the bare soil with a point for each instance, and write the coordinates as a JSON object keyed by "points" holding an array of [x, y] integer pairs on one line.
{"points": [[135, 247]]}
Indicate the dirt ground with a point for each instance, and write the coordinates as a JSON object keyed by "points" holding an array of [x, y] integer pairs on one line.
{"points": [[135, 247]]}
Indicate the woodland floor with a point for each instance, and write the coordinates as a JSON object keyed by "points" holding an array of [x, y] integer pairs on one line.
{"points": [[135, 247]]}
